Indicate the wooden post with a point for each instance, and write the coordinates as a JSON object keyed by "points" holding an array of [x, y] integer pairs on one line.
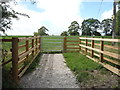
{"points": [[27, 48], [86, 48], [39, 43], [92, 45], [33, 46], [79, 45], [36, 44], [64, 44], [15, 59], [101, 48]]}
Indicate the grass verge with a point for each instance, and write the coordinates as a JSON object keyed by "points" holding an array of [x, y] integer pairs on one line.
{"points": [[89, 73], [34, 64]]}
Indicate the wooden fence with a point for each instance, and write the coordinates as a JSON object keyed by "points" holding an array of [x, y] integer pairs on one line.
{"points": [[24, 51], [98, 49], [71, 44]]}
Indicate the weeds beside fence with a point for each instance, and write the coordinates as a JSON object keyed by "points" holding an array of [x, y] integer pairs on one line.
{"points": [[97, 49], [24, 51]]}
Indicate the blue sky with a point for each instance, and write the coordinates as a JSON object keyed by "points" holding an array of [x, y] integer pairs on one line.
{"points": [[56, 15], [95, 9]]}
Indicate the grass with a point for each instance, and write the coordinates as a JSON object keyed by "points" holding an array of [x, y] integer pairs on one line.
{"points": [[89, 73], [52, 43], [78, 62], [81, 65], [34, 64]]}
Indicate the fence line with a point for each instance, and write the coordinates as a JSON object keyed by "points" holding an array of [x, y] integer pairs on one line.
{"points": [[95, 49], [22, 60], [71, 44]]}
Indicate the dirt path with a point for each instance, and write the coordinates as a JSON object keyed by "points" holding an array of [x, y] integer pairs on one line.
{"points": [[52, 73]]}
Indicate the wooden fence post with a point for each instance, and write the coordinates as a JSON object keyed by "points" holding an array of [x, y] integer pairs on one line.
{"points": [[64, 44], [40, 44], [92, 45], [33, 46], [15, 59], [79, 45], [86, 48], [101, 48], [36, 44], [27, 48]]}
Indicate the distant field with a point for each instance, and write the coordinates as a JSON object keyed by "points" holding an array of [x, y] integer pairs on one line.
{"points": [[51, 43]]}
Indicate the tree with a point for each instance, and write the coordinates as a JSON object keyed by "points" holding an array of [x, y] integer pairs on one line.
{"points": [[89, 26], [96, 33], [8, 13], [36, 34], [64, 33], [42, 31], [118, 3], [106, 26], [74, 28]]}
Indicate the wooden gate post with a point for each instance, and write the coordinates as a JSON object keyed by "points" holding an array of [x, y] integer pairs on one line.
{"points": [[36, 44], [64, 44], [40, 44], [86, 47], [27, 47], [15, 59], [92, 45], [79, 44], [101, 48], [33, 46]]}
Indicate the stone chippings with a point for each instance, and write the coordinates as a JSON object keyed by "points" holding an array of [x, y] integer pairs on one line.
{"points": [[52, 73]]}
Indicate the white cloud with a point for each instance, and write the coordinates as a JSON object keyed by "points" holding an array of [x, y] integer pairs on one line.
{"points": [[107, 14], [57, 16]]}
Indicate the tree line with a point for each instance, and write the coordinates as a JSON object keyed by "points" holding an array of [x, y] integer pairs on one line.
{"points": [[89, 26]]}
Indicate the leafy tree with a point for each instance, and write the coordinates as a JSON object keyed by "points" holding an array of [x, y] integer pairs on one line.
{"points": [[89, 26], [8, 13], [118, 5], [74, 28], [64, 33], [36, 34], [42, 31], [96, 33], [106, 25]]}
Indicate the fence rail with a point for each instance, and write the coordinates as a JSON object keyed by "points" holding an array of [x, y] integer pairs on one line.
{"points": [[96, 49], [23, 54]]}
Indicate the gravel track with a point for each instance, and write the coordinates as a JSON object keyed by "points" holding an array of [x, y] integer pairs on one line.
{"points": [[52, 73]]}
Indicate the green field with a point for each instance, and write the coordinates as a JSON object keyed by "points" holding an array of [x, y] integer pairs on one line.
{"points": [[75, 61]]}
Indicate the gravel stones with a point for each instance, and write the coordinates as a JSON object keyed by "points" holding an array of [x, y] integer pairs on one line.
{"points": [[52, 73]]}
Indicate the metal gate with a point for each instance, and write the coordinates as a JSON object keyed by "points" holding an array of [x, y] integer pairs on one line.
{"points": [[52, 43]]}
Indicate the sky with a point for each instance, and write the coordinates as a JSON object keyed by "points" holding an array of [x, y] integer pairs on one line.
{"points": [[57, 15]]}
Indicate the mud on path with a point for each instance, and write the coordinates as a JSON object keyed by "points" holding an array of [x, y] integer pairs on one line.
{"points": [[52, 73]]}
